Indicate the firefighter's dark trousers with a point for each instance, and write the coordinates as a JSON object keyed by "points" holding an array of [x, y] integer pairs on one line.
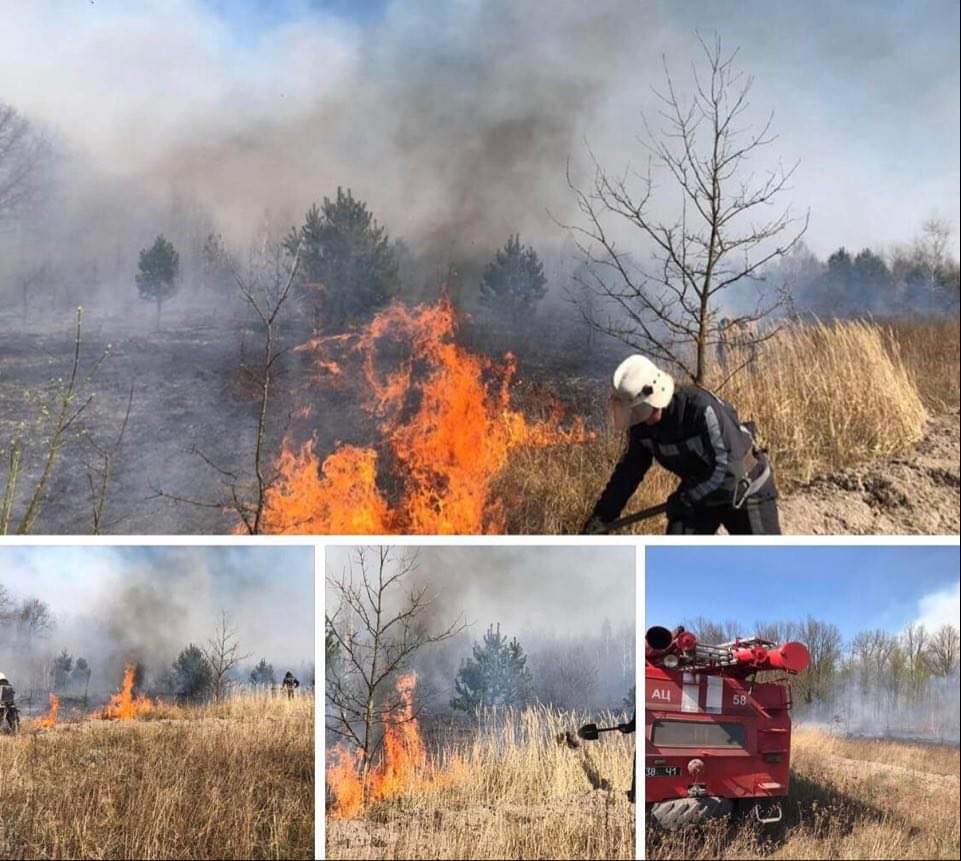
{"points": [[754, 517]]}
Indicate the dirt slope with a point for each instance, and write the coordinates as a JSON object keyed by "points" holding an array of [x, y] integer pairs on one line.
{"points": [[917, 493]]}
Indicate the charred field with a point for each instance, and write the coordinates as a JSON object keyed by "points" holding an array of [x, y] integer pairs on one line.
{"points": [[231, 779], [489, 432], [850, 798]]}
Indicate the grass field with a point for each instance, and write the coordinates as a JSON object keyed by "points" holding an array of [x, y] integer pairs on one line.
{"points": [[825, 397], [850, 798], [511, 791], [231, 780]]}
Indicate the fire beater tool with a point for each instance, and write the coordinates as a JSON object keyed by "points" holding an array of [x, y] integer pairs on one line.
{"points": [[636, 517]]}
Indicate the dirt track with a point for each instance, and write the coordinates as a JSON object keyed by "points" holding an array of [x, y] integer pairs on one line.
{"points": [[917, 493]]}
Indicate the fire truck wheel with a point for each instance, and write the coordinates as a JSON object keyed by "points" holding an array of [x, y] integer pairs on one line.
{"points": [[684, 812]]}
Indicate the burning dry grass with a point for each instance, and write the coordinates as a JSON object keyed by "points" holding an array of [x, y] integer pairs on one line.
{"points": [[447, 428], [511, 791], [232, 780], [850, 798], [824, 396]]}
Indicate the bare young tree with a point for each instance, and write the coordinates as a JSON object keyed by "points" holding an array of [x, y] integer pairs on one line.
{"points": [[825, 646], [223, 653], [378, 624], [28, 281], [100, 472], [943, 651], [914, 643], [723, 234], [70, 398], [22, 154], [265, 287]]}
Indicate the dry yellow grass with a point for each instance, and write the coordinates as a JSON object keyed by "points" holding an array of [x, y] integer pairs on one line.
{"points": [[850, 798], [824, 397], [511, 792], [234, 780], [828, 396], [931, 350]]}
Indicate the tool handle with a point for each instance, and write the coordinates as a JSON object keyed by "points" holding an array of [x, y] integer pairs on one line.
{"points": [[637, 517]]}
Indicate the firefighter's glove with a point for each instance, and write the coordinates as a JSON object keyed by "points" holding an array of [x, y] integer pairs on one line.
{"points": [[678, 506], [627, 728], [594, 526]]}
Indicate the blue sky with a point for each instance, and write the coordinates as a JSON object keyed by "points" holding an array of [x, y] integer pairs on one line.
{"points": [[856, 588]]}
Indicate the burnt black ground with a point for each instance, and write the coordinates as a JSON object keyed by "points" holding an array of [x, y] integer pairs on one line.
{"points": [[190, 395]]}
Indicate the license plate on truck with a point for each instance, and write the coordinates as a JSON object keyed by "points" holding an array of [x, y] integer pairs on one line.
{"points": [[662, 771]]}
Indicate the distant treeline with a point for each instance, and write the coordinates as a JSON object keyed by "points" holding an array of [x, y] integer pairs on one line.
{"points": [[200, 673], [920, 278], [876, 683]]}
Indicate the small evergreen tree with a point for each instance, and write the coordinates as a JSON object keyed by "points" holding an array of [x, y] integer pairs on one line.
{"points": [[216, 264], [350, 269], [263, 673], [193, 676], [496, 675], [80, 675], [157, 273], [62, 666], [513, 281]]}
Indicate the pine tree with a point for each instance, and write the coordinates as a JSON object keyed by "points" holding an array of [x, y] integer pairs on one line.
{"points": [[157, 273], [350, 269], [193, 676], [62, 666], [496, 675], [80, 675], [513, 281], [263, 673]]}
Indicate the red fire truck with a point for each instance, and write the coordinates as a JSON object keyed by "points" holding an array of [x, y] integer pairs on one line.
{"points": [[718, 741]]}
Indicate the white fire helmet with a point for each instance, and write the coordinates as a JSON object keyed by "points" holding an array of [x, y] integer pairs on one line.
{"points": [[640, 387], [3, 679]]}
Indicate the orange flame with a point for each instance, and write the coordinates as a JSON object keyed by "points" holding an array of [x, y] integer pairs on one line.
{"points": [[343, 776], [447, 427], [125, 705], [50, 718], [404, 767]]}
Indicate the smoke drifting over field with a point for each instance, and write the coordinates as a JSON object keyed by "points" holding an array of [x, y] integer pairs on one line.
{"points": [[930, 713], [571, 609], [112, 606], [455, 122]]}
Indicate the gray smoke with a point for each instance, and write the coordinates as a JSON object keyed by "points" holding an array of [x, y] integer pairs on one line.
{"points": [[112, 606], [930, 713], [454, 121], [571, 608]]}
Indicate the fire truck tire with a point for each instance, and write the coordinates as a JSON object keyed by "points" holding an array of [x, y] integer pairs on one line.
{"points": [[684, 812]]}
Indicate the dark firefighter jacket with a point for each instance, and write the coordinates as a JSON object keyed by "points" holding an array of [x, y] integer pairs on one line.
{"points": [[699, 438]]}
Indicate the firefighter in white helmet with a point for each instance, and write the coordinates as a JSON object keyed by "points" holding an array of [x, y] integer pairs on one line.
{"points": [[725, 480], [9, 715]]}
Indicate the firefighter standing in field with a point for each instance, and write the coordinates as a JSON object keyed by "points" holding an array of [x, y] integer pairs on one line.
{"points": [[8, 705], [725, 480], [290, 684]]}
